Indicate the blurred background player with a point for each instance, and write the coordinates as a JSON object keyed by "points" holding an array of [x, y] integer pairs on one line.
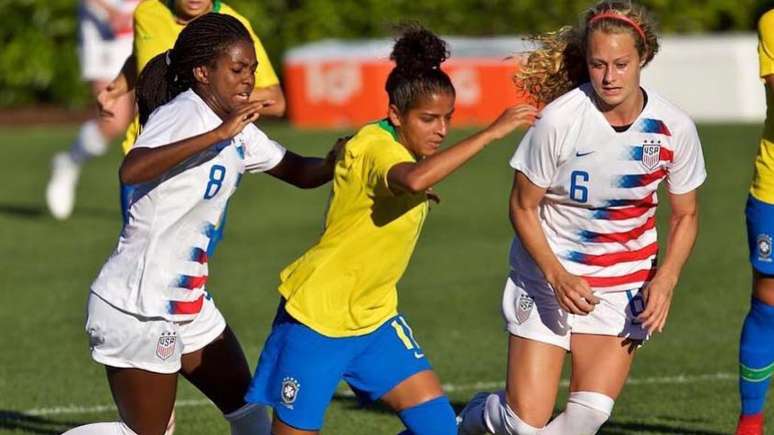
{"points": [[583, 261], [756, 347], [157, 24], [197, 141], [105, 41], [338, 317]]}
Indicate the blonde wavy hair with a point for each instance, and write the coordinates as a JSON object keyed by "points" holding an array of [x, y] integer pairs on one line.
{"points": [[559, 63]]}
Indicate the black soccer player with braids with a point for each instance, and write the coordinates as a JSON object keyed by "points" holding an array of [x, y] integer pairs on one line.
{"points": [[202, 85]]}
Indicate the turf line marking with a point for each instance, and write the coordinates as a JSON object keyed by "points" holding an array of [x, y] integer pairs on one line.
{"points": [[449, 388]]}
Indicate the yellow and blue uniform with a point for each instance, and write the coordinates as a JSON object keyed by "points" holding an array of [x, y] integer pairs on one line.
{"points": [[760, 204], [338, 317], [156, 30]]}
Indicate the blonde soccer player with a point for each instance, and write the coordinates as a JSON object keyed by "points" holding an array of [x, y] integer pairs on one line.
{"points": [[584, 273]]}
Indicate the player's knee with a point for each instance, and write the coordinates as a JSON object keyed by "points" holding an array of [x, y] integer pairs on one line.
{"points": [[500, 419], [587, 411], [434, 417]]}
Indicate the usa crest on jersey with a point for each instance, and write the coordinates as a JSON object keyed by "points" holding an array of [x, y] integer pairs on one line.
{"points": [[650, 155], [166, 345], [524, 308]]}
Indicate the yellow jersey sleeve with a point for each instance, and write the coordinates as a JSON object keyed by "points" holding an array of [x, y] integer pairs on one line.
{"points": [[155, 31], [766, 43]]}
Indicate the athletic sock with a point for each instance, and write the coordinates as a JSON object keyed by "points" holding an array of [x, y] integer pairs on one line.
{"points": [[756, 356], [585, 413], [112, 428], [434, 417], [250, 419], [89, 143]]}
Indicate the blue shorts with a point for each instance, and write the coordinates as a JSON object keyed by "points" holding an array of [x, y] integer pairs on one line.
{"points": [[299, 368], [760, 230]]}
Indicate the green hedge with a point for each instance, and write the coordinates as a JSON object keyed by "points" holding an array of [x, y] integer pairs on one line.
{"points": [[38, 61]]}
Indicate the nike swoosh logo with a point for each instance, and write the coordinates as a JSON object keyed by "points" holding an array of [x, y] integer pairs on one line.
{"points": [[580, 154], [418, 355]]}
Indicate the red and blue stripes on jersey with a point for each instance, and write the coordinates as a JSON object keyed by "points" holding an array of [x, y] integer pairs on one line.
{"points": [[185, 307], [199, 255], [620, 237], [613, 258], [639, 180], [191, 282], [650, 125]]}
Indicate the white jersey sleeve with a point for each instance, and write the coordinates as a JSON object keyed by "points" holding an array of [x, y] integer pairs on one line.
{"points": [[261, 153], [172, 123], [687, 171], [540, 152]]}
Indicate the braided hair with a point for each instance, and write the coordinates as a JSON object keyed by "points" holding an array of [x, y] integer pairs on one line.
{"points": [[418, 54], [170, 73]]}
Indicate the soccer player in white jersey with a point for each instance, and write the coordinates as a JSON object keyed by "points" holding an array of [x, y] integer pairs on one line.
{"points": [[149, 314], [104, 43], [584, 277]]}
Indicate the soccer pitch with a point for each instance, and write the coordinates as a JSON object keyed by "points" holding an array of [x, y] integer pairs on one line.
{"points": [[683, 381]]}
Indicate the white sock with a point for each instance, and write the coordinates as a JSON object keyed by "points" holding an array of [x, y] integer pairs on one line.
{"points": [[90, 143], [112, 428], [251, 419], [586, 412], [500, 419]]}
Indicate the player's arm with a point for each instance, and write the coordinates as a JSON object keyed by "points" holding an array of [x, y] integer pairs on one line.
{"points": [[119, 86], [572, 292], [307, 172], [422, 175], [683, 227], [271, 94], [769, 81], [144, 164]]}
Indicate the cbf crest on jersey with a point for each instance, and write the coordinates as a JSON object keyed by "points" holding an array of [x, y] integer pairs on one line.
{"points": [[524, 307], [166, 345], [289, 392], [764, 247], [650, 155]]}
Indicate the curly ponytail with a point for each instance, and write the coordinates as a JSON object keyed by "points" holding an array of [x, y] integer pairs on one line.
{"points": [[418, 54]]}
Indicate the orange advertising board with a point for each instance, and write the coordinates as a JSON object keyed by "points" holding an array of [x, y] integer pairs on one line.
{"points": [[348, 92]]}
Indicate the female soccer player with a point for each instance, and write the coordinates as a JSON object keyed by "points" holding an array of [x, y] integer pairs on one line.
{"points": [[756, 350], [104, 42], [583, 261], [338, 317], [149, 314]]}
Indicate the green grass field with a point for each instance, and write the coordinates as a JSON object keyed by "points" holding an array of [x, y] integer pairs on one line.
{"points": [[683, 381]]}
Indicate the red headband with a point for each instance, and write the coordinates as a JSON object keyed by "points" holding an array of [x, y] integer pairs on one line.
{"points": [[620, 17]]}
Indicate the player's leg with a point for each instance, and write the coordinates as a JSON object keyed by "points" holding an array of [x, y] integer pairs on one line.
{"points": [[392, 367], [142, 372], [297, 374], [756, 347], [538, 342], [213, 361]]}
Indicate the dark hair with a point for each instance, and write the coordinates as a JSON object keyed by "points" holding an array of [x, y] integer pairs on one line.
{"points": [[418, 54], [171, 72]]}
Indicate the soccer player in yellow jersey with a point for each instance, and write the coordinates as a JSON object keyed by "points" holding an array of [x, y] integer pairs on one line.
{"points": [[756, 347], [338, 318]]}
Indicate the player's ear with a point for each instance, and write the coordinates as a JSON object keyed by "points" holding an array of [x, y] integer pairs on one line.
{"points": [[201, 74], [393, 115]]}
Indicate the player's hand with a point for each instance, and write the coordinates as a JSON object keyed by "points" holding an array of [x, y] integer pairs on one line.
{"points": [[107, 98], [658, 299], [238, 120], [574, 294], [512, 118], [432, 195], [336, 151]]}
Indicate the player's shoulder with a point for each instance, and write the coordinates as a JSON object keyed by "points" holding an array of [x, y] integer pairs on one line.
{"points": [[766, 22], [150, 8], [564, 110], [185, 106], [374, 139], [674, 117]]}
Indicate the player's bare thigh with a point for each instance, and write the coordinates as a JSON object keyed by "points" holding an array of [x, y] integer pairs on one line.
{"points": [[144, 399], [763, 287], [601, 363], [532, 382]]}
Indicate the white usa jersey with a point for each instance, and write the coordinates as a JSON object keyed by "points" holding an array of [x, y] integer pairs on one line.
{"points": [[159, 268], [599, 210]]}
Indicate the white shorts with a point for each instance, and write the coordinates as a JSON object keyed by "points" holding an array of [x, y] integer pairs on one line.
{"points": [[531, 311], [101, 59], [121, 339]]}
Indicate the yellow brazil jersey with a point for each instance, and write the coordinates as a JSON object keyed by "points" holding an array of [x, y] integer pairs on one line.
{"points": [[156, 30], [763, 180], [345, 285]]}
